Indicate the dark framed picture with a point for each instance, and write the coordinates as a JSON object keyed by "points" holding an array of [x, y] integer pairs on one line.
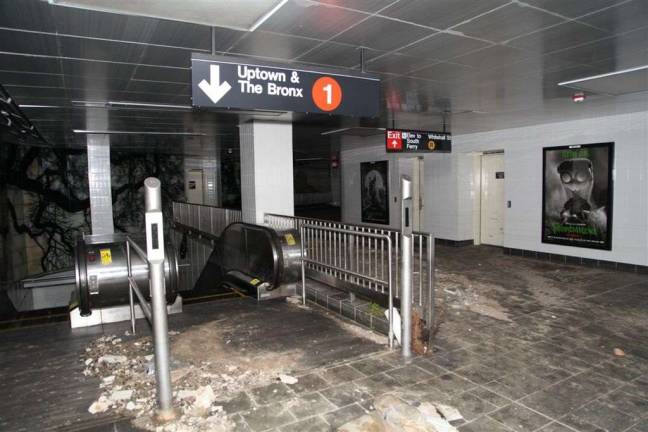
{"points": [[577, 192], [375, 192]]}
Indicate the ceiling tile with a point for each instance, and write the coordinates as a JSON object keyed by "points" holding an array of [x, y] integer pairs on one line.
{"points": [[27, 14], [331, 53], [622, 18], [315, 20], [622, 47], [272, 45], [383, 34], [440, 14], [493, 56], [29, 64], [572, 8], [91, 70], [155, 87], [101, 50], [398, 64], [443, 46], [508, 22], [152, 73], [162, 56], [361, 5], [562, 36], [446, 72], [28, 43], [31, 79]]}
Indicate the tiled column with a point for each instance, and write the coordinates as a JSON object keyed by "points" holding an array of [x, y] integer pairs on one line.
{"points": [[266, 169], [101, 211]]}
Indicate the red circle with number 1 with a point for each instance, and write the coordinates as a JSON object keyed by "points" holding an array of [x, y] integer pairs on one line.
{"points": [[327, 93]]}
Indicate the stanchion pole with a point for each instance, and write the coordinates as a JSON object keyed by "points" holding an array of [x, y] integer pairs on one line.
{"points": [[155, 256], [406, 266]]}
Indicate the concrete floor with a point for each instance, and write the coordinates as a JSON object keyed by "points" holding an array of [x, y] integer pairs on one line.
{"points": [[550, 368]]}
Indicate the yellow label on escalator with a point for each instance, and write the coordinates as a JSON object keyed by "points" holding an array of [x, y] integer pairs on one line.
{"points": [[106, 256], [290, 239], [254, 282]]}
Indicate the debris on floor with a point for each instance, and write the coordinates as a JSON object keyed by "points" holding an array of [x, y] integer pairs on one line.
{"points": [[393, 414], [463, 293], [202, 379], [618, 352]]}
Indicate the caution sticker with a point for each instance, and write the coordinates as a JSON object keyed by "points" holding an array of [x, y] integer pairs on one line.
{"points": [[106, 256], [254, 282], [290, 239]]}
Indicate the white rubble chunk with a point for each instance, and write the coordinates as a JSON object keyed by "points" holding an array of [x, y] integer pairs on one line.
{"points": [[186, 394], [99, 406], [109, 380], [121, 395], [287, 379], [130, 406], [112, 359], [449, 413], [204, 397]]}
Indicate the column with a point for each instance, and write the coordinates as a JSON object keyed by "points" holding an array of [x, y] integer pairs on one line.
{"points": [[266, 169], [101, 211]]}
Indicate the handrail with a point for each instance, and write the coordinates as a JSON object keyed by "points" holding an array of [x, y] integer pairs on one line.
{"points": [[374, 227], [132, 284]]}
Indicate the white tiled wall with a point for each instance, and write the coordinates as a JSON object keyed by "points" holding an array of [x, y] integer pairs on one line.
{"points": [[523, 158], [450, 188]]}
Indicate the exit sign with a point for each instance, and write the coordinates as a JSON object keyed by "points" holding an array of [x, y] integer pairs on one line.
{"points": [[416, 141]]}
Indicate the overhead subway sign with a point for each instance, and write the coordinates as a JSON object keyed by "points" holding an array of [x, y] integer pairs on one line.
{"points": [[238, 83]]}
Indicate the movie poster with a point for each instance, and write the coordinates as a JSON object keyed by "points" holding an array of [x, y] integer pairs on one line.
{"points": [[375, 192], [577, 195]]}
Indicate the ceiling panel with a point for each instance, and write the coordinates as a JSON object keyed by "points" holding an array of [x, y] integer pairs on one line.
{"points": [[628, 82], [153, 73], [508, 22], [137, 29], [221, 13], [101, 50], [362, 5], [446, 72], [440, 14], [163, 56], [383, 34], [573, 8], [493, 56], [25, 63], [263, 44], [27, 14], [93, 70], [18, 92], [562, 36], [622, 46], [443, 46], [31, 79], [398, 64], [309, 19], [29, 43], [334, 54], [155, 87], [621, 18]]}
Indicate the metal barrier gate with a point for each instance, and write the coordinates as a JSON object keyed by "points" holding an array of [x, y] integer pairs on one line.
{"points": [[370, 257]]}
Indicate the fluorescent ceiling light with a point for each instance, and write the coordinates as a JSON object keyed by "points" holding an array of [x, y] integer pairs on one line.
{"points": [[125, 104], [113, 132], [267, 15], [605, 75]]}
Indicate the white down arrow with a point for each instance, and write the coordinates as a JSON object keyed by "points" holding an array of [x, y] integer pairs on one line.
{"points": [[214, 89]]}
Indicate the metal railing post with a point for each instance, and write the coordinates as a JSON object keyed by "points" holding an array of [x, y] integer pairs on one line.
{"points": [[130, 286], [155, 255], [406, 266], [303, 263], [391, 295]]}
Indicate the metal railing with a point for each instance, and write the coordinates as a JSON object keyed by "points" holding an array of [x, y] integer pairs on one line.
{"points": [[369, 257], [133, 287], [204, 219], [327, 249]]}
